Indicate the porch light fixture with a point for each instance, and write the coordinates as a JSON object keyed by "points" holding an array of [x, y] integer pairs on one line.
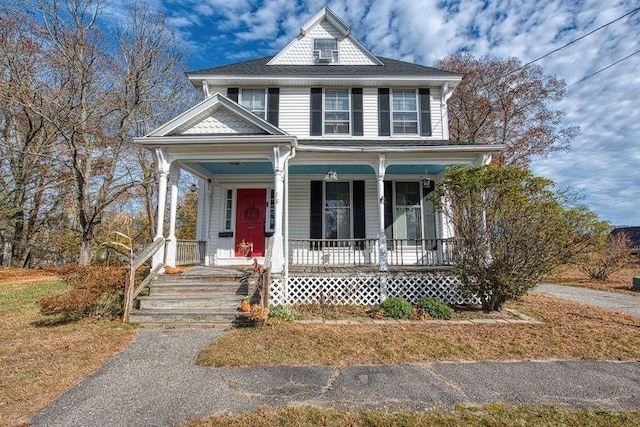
{"points": [[331, 175], [193, 187], [427, 182]]}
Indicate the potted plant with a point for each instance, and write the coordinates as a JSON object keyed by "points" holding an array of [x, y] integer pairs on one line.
{"points": [[257, 314]]}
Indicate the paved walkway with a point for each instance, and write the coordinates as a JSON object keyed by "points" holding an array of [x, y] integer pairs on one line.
{"points": [[155, 383], [616, 301]]}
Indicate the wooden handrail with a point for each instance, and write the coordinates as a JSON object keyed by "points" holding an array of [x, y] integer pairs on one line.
{"points": [[130, 290]]}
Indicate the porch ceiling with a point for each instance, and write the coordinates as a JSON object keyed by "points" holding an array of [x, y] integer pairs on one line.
{"points": [[237, 168], [265, 168]]}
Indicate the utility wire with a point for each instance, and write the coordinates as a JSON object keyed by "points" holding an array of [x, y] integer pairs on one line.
{"points": [[578, 39], [601, 70], [561, 47]]}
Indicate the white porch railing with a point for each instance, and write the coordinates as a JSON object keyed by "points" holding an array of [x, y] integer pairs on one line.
{"points": [[190, 252], [366, 252]]}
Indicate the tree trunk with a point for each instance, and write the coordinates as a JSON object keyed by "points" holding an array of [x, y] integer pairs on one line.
{"points": [[84, 258]]}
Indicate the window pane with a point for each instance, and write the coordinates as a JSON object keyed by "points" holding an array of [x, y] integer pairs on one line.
{"points": [[336, 111], [408, 212], [405, 112], [254, 101], [325, 44], [337, 210]]}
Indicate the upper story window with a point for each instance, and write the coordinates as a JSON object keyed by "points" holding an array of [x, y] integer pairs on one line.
{"points": [[404, 111], [254, 100], [325, 51], [336, 111]]}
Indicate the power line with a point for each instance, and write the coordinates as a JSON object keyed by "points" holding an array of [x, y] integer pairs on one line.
{"points": [[561, 47], [601, 70], [575, 40]]}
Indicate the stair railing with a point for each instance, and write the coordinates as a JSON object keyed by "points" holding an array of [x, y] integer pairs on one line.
{"points": [[130, 289]]}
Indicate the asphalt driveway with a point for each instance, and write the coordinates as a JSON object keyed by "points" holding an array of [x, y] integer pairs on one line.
{"points": [[616, 301], [155, 383]]}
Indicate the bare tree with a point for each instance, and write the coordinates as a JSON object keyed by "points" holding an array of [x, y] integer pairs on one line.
{"points": [[29, 174], [501, 102], [101, 83]]}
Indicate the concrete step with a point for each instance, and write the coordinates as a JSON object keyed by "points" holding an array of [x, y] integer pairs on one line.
{"points": [[190, 302], [183, 317]]}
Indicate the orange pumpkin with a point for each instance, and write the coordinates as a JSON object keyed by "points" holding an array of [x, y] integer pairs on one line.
{"points": [[245, 306]]}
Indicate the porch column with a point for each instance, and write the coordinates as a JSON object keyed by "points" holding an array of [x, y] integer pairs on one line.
{"points": [[382, 237], [163, 172], [280, 157], [170, 258]]}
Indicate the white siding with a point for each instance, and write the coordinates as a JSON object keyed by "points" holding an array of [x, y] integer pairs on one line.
{"points": [[436, 113], [295, 107], [370, 111], [299, 206]]}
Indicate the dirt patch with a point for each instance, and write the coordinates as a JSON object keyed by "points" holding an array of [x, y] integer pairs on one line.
{"points": [[568, 331]]}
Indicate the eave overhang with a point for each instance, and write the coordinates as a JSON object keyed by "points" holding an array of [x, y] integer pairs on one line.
{"points": [[335, 80]]}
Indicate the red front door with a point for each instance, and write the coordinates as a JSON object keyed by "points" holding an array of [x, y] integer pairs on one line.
{"points": [[250, 221]]}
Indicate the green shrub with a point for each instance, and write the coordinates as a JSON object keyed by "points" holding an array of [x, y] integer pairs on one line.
{"points": [[396, 307], [281, 313], [435, 308], [93, 292]]}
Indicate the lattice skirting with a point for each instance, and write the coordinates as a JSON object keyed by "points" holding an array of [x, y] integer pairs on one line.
{"points": [[365, 289]]}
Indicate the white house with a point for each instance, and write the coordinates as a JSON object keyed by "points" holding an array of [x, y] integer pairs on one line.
{"points": [[321, 159]]}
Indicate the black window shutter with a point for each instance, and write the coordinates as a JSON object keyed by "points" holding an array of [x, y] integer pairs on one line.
{"points": [[316, 111], [356, 111], [388, 209], [232, 93], [273, 105], [425, 112], [384, 113], [359, 223], [315, 220]]}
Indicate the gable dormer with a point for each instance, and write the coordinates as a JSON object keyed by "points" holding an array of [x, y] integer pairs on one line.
{"points": [[325, 40]]}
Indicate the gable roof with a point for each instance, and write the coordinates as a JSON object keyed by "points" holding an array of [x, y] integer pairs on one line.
{"points": [[326, 15], [259, 67], [206, 109]]}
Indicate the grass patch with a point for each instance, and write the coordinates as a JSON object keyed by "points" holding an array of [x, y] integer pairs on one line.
{"points": [[619, 281], [569, 331], [487, 416], [38, 363]]}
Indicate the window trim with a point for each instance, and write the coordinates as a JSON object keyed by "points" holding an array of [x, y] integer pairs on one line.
{"points": [[392, 111], [266, 100], [324, 112], [324, 209]]}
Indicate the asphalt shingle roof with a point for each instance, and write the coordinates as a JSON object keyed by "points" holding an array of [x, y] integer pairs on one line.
{"points": [[259, 67]]}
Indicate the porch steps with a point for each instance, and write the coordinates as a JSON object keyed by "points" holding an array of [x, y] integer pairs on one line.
{"points": [[196, 298]]}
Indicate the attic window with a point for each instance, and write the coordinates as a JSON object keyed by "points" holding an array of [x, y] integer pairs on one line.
{"points": [[325, 51]]}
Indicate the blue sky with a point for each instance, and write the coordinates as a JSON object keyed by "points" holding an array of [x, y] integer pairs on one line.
{"points": [[604, 161]]}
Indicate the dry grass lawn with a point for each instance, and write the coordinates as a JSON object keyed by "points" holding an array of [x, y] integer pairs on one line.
{"points": [[37, 364], [569, 331], [620, 281], [488, 416]]}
